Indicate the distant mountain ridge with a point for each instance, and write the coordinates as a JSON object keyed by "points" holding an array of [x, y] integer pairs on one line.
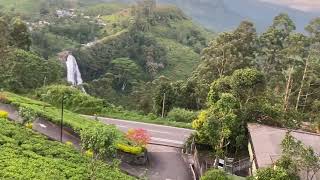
{"points": [[223, 15]]}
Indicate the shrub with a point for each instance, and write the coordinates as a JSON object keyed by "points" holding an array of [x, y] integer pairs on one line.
{"points": [[215, 175], [74, 99], [28, 155], [69, 143], [3, 98], [138, 136], [272, 173], [182, 115], [89, 153], [4, 114], [29, 125], [101, 139], [136, 150]]}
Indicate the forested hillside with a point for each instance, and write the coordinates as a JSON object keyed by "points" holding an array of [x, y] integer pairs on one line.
{"points": [[223, 15], [151, 62], [119, 48]]}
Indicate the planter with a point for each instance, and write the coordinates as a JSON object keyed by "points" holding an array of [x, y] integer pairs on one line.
{"points": [[132, 159]]}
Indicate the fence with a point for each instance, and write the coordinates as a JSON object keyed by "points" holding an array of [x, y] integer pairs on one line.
{"points": [[229, 165]]}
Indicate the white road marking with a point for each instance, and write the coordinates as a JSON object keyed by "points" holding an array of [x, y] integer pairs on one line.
{"points": [[167, 140], [42, 125], [134, 122], [148, 130]]}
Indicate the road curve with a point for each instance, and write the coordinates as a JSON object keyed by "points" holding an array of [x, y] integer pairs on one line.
{"points": [[161, 135]]}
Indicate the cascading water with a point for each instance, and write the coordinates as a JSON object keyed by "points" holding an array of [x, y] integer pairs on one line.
{"points": [[73, 72]]}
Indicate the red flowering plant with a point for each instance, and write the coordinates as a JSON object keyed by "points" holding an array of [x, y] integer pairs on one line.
{"points": [[139, 136]]}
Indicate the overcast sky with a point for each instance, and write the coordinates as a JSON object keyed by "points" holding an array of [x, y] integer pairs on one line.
{"points": [[304, 5]]}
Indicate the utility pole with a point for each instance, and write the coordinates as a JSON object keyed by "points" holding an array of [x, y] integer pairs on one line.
{"points": [[61, 122], [45, 81], [163, 104]]}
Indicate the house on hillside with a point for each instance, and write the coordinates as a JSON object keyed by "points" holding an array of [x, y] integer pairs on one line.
{"points": [[265, 145]]}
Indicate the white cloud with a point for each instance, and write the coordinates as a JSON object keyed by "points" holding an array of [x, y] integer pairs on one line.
{"points": [[304, 5]]}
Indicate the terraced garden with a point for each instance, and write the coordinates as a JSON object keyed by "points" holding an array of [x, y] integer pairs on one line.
{"points": [[28, 155]]}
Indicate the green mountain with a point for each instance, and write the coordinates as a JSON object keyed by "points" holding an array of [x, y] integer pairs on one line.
{"points": [[119, 48]]}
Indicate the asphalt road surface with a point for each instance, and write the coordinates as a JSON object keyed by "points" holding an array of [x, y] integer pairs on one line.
{"points": [[161, 135], [166, 163]]}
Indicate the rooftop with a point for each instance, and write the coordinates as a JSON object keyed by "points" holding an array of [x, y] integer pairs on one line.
{"points": [[266, 142]]}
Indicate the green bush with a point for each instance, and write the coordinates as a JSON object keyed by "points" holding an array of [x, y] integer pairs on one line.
{"points": [[3, 114], [21, 71], [101, 139], [272, 173], [74, 99], [27, 155], [182, 115], [215, 175], [136, 150]]}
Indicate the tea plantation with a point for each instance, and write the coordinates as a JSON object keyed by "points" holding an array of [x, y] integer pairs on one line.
{"points": [[27, 155]]}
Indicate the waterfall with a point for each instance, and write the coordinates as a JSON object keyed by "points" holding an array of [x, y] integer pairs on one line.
{"points": [[73, 72]]}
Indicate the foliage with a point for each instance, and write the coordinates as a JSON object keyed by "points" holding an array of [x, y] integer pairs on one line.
{"points": [[51, 113], [303, 159], [29, 125], [247, 84], [74, 99], [20, 35], [77, 29], [201, 119], [139, 137], [24, 154], [3, 98], [101, 139], [182, 115], [215, 175], [270, 173], [181, 59], [4, 114], [228, 52], [126, 72], [136, 150], [164, 95], [103, 9], [219, 125], [21, 71], [120, 113], [48, 45]]}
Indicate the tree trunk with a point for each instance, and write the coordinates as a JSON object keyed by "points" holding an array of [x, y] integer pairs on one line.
{"points": [[302, 83], [288, 90], [216, 162]]}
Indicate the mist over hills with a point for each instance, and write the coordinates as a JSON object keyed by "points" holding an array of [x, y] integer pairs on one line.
{"points": [[222, 15]]}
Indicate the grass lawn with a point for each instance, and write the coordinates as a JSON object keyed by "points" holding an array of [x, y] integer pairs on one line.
{"points": [[134, 116]]}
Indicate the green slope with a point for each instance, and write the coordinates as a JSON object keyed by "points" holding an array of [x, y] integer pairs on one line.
{"points": [[27, 155], [181, 59]]}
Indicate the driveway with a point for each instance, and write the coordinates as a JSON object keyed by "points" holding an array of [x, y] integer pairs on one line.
{"points": [[166, 163]]}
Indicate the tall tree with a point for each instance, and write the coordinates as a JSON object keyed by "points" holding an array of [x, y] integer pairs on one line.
{"points": [[20, 35], [314, 29], [4, 33], [294, 55], [228, 52], [271, 43], [126, 73], [305, 159]]}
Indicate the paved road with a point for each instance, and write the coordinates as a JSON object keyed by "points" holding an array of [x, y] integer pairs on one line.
{"points": [[162, 135], [166, 163]]}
